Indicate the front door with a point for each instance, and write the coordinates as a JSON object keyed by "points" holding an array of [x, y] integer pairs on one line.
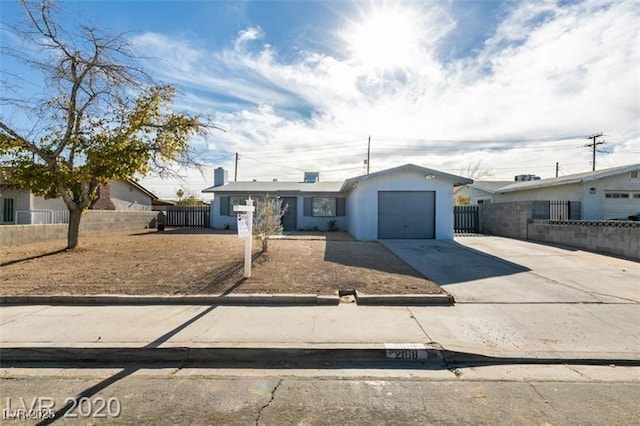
{"points": [[289, 221]]}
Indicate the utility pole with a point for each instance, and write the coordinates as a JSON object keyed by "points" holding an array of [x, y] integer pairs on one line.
{"points": [[368, 154], [235, 175], [593, 144], [557, 168]]}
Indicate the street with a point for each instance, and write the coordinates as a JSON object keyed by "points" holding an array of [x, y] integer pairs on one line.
{"points": [[202, 395]]}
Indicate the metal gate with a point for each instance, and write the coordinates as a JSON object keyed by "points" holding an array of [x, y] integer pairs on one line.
{"points": [[187, 217], [466, 219]]}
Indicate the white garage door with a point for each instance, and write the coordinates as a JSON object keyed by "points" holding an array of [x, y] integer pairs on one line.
{"points": [[406, 214], [619, 204]]}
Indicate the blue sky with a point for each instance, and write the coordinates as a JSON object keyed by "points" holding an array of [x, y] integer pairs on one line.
{"points": [[299, 85]]}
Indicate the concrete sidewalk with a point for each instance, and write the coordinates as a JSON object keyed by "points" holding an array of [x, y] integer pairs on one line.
{"points": [[523, 333]]}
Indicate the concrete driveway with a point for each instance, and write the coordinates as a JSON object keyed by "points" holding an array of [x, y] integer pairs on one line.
{"points": [[502, 270]]}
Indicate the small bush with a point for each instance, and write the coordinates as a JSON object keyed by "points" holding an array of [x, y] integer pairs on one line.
{"points": [[332, 225]]}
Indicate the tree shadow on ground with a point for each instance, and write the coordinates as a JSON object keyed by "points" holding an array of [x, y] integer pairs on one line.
{"points": [[39, 256], [226, 279]]}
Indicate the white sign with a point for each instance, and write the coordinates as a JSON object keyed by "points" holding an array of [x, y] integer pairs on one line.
{"points": [[243, 226]]}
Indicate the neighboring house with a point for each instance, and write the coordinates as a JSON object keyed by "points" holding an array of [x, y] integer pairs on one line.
{"points": [[21, 206], [480, 192], [603, 194], [403, 202]]}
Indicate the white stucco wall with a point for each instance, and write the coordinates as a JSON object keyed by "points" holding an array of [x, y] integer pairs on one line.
{"points": [[39, 203], [21, 201], [592, 204], [362, 202], [127, 197]]}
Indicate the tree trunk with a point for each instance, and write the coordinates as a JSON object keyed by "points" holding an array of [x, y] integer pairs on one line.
{"points": [[74, 228]]}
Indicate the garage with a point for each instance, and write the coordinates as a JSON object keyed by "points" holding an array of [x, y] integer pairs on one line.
{"points": [[406, 214], [620, 204]]}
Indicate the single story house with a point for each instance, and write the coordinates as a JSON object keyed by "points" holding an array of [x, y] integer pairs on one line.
{"points": [[480, 192], [603, 194], [21, 206], [403, 202]]}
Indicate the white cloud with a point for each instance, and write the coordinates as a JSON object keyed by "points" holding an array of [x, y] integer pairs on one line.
{"points": [[547, 72]]}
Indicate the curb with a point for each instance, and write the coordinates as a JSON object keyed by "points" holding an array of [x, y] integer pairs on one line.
{"points": [[405, 299], [232, 299], [414, 353]]}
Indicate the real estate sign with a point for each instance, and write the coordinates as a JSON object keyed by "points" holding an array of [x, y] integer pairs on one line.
{"points": [[243, 225]]}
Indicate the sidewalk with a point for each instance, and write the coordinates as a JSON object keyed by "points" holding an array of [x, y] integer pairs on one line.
{"points": [[466, 333]]}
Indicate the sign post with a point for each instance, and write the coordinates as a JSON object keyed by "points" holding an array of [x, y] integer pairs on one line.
{"points": [[245, 230]]}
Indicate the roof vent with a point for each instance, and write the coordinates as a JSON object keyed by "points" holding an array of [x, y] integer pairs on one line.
{"points": [[526, 178], [311, 177], [275, 179]]}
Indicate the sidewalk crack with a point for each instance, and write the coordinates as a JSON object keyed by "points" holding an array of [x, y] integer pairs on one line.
{"points": [[546, 401], [419, 325], [273, 395]]}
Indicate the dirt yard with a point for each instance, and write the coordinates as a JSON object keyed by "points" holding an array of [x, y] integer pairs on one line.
{"points": [[205, 262]]}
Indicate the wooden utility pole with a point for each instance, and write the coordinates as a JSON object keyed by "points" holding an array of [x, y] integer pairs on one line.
{"points": [[594, 144], [235, 175]]}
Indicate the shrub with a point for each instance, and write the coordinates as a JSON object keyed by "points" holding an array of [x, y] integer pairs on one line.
{"points": [[267, 220]]}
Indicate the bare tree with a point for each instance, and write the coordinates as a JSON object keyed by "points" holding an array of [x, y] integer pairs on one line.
{"points": [[100, 118], [268, 220], [475, 171]]}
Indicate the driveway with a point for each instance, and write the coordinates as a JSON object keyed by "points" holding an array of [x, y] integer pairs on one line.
{"points": [[503, 270]]}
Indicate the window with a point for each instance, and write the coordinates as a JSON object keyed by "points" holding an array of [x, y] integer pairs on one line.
{"points": [[324, 206], [236, 201], [635, 174], [484, 200], [636, 195], [617, 195], [7, 210]]}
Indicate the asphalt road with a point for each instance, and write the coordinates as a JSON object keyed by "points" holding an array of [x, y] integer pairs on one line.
{"points": [[531, 395]]}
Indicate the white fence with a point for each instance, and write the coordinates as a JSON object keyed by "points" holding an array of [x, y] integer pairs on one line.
{"points": [[40, 217]]}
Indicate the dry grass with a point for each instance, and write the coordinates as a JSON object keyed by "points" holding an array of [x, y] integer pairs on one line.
{"points": [[204, 262]]}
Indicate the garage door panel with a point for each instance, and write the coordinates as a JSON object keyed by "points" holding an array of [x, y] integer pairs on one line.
{"points": [[391, 204], [418, 203], [621, 207], [406, 214]]}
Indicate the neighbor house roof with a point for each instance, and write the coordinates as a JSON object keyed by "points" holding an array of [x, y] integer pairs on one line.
{"points": [[490, 185], [569, 179], [142, 189], [457, 180], [277, 186]]}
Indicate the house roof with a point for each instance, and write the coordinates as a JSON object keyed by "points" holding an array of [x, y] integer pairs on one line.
{"points": [[457, 180], [142, 189], [269, 186], [490, 185], [569, 179]]}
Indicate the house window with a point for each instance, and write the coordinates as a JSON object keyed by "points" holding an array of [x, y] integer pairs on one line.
{"points": [[7, 210], [617, 195], [236, 201], [484, 200], [324, 206], [635, 174], [636, 195]]}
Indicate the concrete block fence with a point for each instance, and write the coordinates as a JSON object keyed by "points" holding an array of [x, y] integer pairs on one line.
{"points": [[93, 221]]}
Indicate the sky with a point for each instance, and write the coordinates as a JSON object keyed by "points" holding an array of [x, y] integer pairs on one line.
{"points": [[504, 87]]}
